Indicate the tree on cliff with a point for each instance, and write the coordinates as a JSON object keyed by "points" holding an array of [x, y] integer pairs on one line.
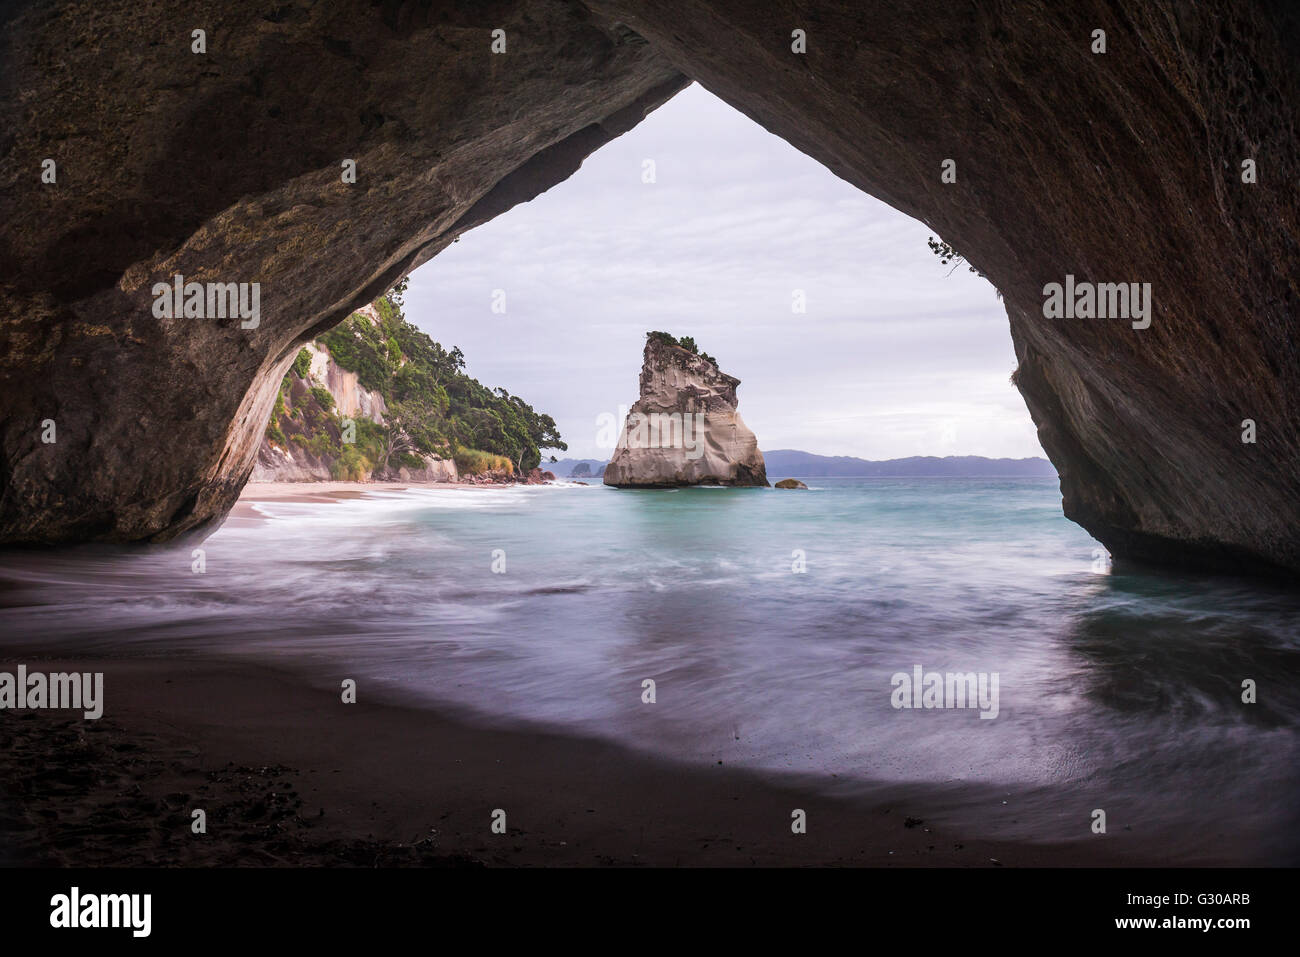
{"points": [[396, 442], [685, 342], [441, 410]]}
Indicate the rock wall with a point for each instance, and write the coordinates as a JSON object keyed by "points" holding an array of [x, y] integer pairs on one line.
{"points": [[351, 398], [434, 470], [227, 166], [277, 462], [1122, 166], [684, 429]]}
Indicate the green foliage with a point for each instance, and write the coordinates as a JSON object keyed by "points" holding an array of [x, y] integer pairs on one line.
{"points": [[359, 346], [438, 405], [362, 454], [424, 416], [323, 445], [428, 395], [947, 255], [351, 465], [370, 435], [278, 409], [685, 342], [477, 462], [323, 397], [302, 364]]}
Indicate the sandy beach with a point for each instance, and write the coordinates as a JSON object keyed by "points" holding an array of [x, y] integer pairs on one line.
{"points": [[289, 775], [335, 491], [320, 493]]}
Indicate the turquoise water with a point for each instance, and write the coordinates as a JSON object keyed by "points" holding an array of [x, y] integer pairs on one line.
{"points": [[1118, 690]]}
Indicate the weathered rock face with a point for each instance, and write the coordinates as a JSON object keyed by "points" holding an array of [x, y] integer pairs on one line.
{"points": [[277, 464], [1117, 167], [291, 461], [684, 429], [351, 398], [227, 166], [435, 469], [1123, 166]]}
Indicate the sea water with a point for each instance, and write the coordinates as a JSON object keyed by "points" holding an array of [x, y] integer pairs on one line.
{"points": [[773, 625]]}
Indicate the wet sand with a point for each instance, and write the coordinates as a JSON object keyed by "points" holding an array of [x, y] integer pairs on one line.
{"points": [[321, 493], [336, 491], [289, 775], [339, 491]]}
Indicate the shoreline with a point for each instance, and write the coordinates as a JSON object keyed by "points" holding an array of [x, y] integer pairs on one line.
{"points": [[244, 511], [288, 775], [333, 491]]}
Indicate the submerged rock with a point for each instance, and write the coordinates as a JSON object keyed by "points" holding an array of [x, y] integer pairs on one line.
{"points": [[684, 430], [790, 483]]}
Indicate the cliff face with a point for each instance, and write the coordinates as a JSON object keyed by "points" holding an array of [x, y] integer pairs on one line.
{"points": [[228, 166], [350, 396], [1122, 166], [684, 429], [287, 452]]}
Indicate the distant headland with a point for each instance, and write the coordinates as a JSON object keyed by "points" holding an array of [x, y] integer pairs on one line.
{"points": [[811, 465]]}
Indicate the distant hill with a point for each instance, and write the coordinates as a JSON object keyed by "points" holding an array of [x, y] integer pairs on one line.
{"points": [[564, 468], [790, 462]]}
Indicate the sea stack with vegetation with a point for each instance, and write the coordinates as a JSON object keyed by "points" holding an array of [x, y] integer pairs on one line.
{"points": [[375, 398], [684, 429]]}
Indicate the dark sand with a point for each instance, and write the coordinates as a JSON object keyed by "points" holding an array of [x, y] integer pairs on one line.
{"points": [[288, 775]]}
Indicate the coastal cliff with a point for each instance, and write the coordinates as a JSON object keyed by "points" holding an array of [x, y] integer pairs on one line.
{"points": [[684, 429], [375, 399], [303, 441]]}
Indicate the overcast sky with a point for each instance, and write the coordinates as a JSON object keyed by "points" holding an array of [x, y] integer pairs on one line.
{"points": [[894, 357]]}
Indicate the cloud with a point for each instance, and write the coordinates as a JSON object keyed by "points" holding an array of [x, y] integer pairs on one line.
{"points": [[894, 356]]}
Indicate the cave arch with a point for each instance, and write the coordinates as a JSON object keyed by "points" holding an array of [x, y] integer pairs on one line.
{"points": [[222, 166]]}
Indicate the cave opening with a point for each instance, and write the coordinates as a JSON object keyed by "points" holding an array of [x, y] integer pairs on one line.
{"points": [[849, 335], [556, 200]]}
